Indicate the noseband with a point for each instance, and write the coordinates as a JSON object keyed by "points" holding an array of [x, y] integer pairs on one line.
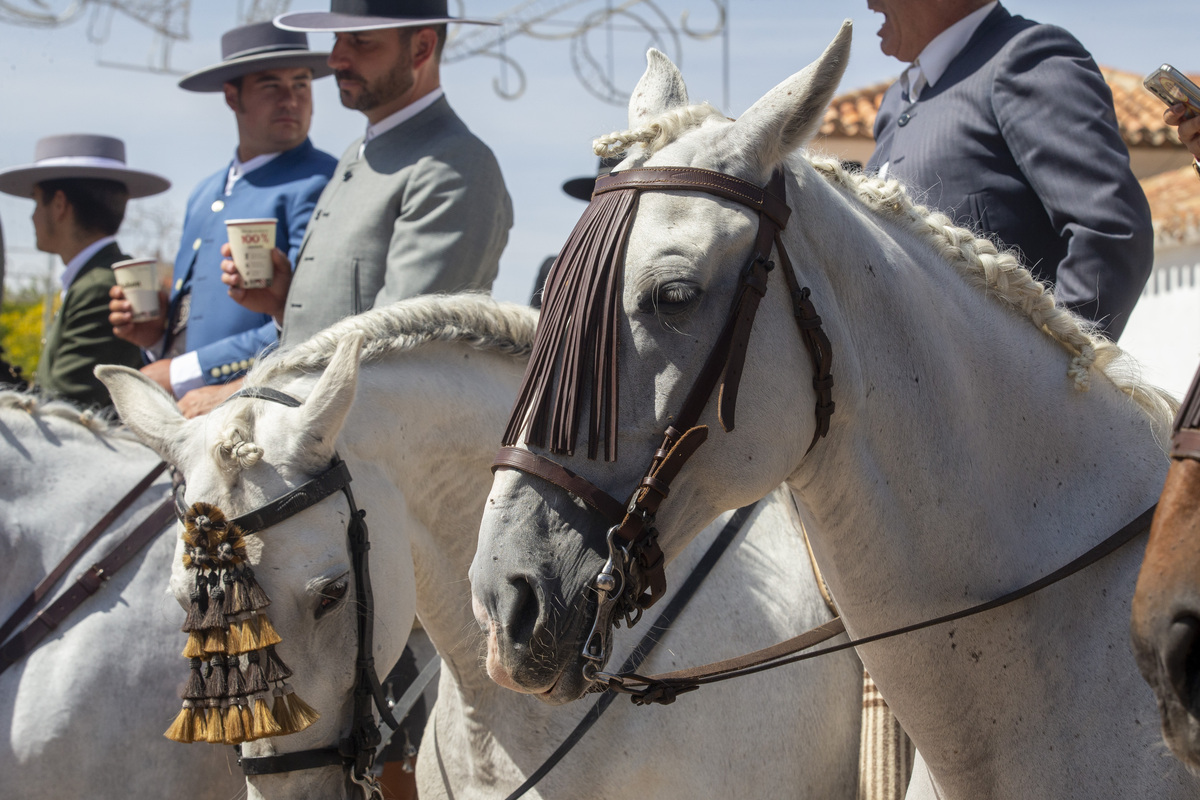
{"points": [[632, 579], [356, 753]]}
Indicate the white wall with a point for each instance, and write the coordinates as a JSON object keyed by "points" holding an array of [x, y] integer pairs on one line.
{"points": [[1164, 331]]}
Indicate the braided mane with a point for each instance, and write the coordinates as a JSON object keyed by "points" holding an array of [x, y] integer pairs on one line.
{"points": [[1000, 274]]}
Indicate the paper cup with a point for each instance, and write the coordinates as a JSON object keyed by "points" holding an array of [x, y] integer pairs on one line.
{"points": [[252, 241], [138, 278]]}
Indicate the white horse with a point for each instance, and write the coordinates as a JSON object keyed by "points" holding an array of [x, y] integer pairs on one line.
{"points": [[439, 377], [981, 439], [83, 714]]}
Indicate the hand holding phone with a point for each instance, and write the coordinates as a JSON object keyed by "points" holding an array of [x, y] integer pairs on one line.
{"points": [[1173, 87]]}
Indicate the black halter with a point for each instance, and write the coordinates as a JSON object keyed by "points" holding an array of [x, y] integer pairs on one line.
{"points": [[355, 753]]}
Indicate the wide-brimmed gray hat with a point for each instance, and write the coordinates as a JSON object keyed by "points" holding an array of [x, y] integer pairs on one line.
{"points": [[255, 48], [80, 156], [370, 15]]}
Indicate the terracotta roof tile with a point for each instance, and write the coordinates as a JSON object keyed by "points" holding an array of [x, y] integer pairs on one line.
{"points": [[1175, 207], [1139, 113]]}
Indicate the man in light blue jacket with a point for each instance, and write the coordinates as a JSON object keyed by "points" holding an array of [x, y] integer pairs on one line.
{"points": [[208, 340]]}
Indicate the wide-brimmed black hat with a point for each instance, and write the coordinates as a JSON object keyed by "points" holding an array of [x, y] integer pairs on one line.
{"points": [[581, 188], [255, 48], [80, 156], [370, 15]]}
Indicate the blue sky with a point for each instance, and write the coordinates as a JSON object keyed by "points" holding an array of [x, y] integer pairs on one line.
{"points": [[51, 82]]}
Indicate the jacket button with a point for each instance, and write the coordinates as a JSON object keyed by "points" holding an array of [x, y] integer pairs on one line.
{"points": [[215, 372], [903, 120], [225, 369], [196, 244], [179, 284], [218, 205]]}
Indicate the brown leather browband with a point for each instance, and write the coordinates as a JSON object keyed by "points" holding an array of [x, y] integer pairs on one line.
{"points": [[723, 367]]}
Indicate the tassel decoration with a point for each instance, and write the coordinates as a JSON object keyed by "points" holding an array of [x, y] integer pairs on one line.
{"points": [[264, 722], [194, 688], [232, 593], [194, 647], [216, 726], [181, 729], [257, 597], [256, 682], [213, 618], [275, 669], [236, 684], [292, 713], [235, 730], [197, 598], [215, 686], [214, 641]]}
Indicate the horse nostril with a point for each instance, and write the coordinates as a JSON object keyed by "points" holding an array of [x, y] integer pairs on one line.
{"points": [[1182, 659], [521, 609]]}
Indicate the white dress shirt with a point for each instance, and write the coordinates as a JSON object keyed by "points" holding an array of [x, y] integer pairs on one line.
{"points": [[81, 258], [929, 67]]}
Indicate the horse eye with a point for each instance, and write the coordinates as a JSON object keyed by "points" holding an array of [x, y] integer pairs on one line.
{"points": [[669, 298], [331, 594]]}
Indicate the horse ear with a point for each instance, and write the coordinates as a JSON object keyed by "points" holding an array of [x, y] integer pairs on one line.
{"points": [[660, 89], [324, 412], [786, 117], [148, 411]]}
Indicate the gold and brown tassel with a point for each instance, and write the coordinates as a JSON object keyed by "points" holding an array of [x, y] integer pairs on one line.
{"points": [[235, 729], [215, 724], [292, 713], [195, 646], [276, 671], [264, 723], [182, 728]]}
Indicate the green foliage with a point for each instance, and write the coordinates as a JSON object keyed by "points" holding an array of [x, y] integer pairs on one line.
{"points": [[21, 330]]}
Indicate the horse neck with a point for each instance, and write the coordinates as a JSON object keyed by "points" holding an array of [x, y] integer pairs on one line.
{"points": [[957, 430], [433, 417], [57, 479]]}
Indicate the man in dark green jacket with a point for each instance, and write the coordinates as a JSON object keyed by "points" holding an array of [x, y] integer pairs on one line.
{"points": [[79, 184]]}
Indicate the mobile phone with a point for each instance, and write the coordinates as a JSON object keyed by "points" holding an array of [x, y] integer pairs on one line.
{"points": [[1172, 86]]}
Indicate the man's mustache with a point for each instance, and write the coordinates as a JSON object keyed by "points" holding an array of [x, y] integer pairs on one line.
{"points": [[347, 75]]}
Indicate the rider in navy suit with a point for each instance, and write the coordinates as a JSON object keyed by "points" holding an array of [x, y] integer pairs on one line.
{"points": [[1008, 126], [208, 341]]}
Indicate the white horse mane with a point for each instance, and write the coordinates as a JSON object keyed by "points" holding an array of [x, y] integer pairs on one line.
{"points": [[475, 319], [99, 422], [999, 273]]}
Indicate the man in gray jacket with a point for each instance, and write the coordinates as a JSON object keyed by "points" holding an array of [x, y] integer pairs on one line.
{"points": [[1008, 126], [418, 205]]}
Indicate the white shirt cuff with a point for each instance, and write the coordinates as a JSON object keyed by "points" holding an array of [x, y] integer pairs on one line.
{"points": [[186, 374]]}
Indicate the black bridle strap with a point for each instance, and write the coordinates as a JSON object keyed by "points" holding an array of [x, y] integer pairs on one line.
{"points": [[1185, 433], [357, 752], [293, 762], [649, 641], [663, 688], [43, 588], [25, 640]]}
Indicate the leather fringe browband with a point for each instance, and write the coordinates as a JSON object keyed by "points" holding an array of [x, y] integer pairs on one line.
{"points": [[579, 317]]}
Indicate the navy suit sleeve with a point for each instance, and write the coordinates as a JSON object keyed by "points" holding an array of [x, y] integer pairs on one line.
{"points": [[1056, 113], [231, 356]]}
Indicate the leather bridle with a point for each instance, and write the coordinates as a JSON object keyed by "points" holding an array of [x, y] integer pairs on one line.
{"points": [[632, 579], [356, 752], [1185, 433]]}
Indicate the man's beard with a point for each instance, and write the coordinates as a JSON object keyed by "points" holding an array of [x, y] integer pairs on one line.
{"points": [[383, 91]]}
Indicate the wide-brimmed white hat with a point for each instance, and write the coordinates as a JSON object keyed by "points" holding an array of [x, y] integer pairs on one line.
{"points": [[370, 15], [80, 155], [256, 48]]}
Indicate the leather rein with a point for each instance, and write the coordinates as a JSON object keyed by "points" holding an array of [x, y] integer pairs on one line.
{"points": [[632, 578], [355, 753]]}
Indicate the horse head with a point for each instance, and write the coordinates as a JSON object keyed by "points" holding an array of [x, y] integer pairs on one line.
{"points": [[266, 571], [1166, 605], [670, 281]]}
